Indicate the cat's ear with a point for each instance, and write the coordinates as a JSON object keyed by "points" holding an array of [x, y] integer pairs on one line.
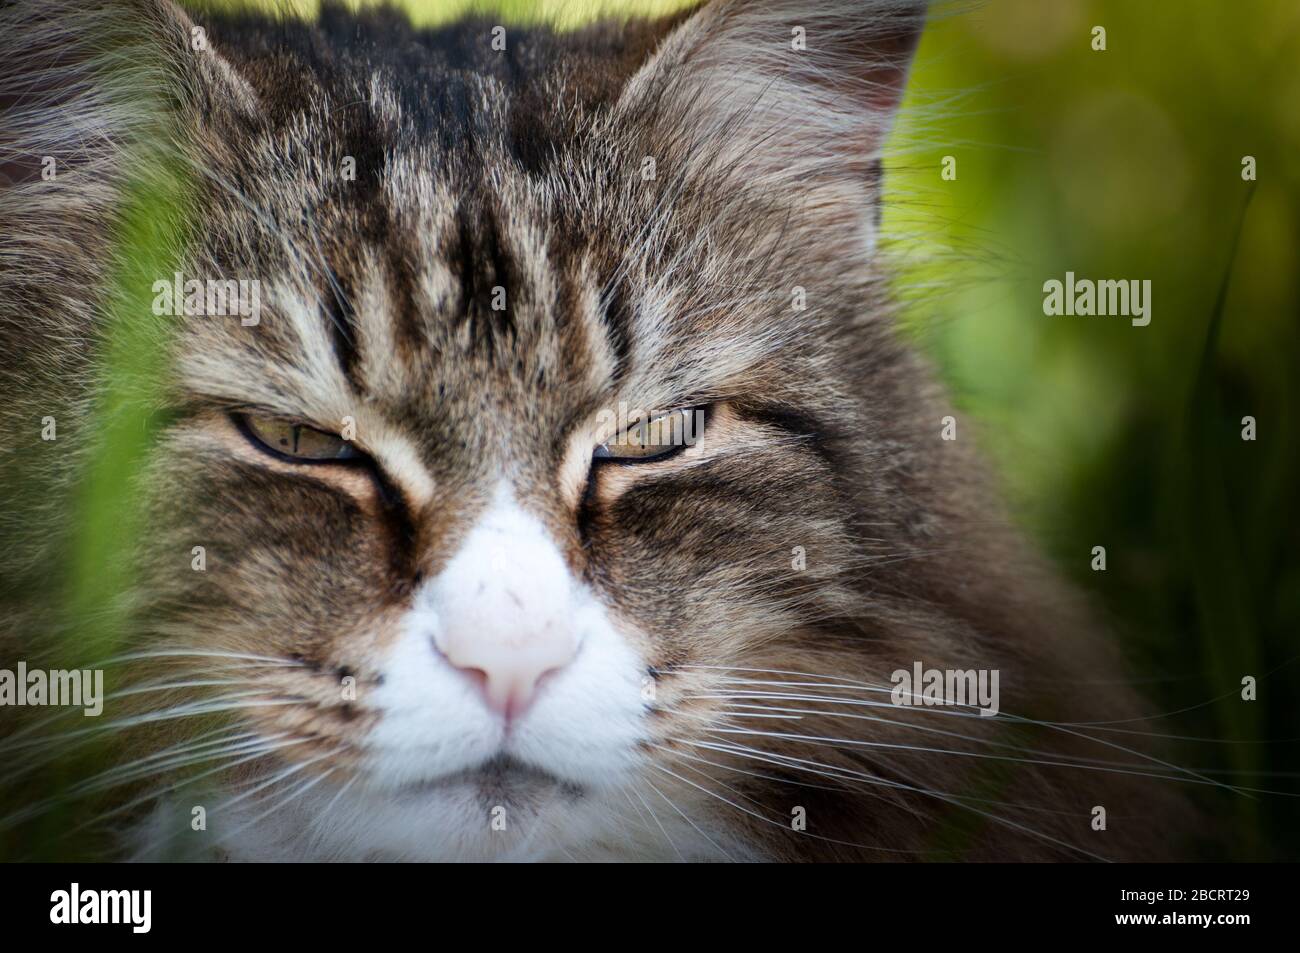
{"points": [[82, 83], [791, 98]]}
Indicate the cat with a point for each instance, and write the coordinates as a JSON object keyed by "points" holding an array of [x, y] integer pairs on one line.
{"points": [[410, 573]]}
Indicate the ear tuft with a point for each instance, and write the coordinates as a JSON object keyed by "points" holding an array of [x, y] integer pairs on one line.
{"points": [[788, 97], [97, 99], [82, 82]]}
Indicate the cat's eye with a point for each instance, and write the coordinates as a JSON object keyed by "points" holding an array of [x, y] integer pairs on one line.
{"points": [[655, 438], [296, 441]]}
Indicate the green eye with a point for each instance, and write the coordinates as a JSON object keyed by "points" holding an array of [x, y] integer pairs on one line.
{"points": [[654, 439], [296, 441]]}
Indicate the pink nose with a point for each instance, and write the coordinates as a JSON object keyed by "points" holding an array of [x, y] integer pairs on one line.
{"points": [[505, 611], [509, 670]]}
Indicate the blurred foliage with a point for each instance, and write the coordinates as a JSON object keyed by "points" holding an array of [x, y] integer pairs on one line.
{"points": [[564, 14], [1118, 164], [95, 609]]}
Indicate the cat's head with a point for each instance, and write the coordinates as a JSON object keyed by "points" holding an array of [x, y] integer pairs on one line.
{"points": [[456, 597]]}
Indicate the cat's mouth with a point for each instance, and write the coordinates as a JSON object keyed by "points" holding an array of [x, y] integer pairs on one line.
{"points": [[502, 778]]}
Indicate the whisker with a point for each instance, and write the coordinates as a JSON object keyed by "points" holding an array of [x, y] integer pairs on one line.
{"points": [[780, 824], [1009, 716], [284, 800], [691, 822], [949, 799], [184, 782], [660, 825], [1075, 761], [198, 707]]}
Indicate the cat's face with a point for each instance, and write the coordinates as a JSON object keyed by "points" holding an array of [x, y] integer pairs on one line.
{"points": [[496, 619]]}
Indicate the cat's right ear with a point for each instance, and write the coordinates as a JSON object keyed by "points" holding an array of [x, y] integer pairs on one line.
{"points": [[83, 82]]}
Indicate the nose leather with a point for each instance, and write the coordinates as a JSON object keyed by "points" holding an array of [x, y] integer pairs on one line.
{"points": [[504, 605], [508, 662]]}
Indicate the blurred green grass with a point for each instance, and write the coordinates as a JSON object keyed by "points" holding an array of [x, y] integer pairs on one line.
{"points": [[565, 14], [96, 609], [1127, 163]]}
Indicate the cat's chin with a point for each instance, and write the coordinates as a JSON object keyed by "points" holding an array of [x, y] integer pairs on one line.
{"points": [[503, 810], [502, 780]]}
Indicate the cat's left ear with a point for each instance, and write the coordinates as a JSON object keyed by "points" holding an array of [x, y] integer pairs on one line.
{"points": [[792, 98]]}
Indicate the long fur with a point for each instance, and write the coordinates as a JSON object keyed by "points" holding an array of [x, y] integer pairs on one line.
{"points": [[527, 170]]}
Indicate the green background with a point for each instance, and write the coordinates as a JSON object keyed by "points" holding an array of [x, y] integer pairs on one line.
{"points": [[1127, 163]]}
